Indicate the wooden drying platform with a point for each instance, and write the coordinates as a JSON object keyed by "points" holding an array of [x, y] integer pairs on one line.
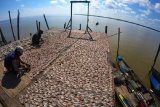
{"points": [[64, 72]]}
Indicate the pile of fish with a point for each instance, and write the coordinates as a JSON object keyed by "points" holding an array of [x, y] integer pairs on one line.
{"points": [[53, 46], [76, 72]]}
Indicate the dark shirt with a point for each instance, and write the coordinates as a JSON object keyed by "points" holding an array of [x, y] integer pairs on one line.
{"points": [[10, 56], [9, 59], [36, 39]]}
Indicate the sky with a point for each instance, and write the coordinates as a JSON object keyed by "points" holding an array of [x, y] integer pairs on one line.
{"points": [[145, 12]]}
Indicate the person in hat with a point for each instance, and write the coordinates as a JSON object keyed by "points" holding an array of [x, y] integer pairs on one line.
{"points": [[12, 61], [36, 39]]}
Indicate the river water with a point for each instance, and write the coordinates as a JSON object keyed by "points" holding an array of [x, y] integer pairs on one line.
{"points": [[138, 45]]}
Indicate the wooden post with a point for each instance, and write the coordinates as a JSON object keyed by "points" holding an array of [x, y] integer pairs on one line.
{"points": [[37, 25], [70, 23], [18, 35], [2, 36], [46, 21], [11, 25], [64, 25], [39, 28], [106, 29], [79, 26], [118, 42]]}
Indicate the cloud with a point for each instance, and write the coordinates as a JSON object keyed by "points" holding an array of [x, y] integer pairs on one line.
{"points": [[157, 7], [63, 1], [140, 2], [53, 1], [110, 8], [144, 3], [115, 6], [145, 13], [118, 6]]}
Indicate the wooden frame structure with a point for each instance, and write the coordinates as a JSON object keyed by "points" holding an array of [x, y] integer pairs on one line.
{"points": [[69, 25]]}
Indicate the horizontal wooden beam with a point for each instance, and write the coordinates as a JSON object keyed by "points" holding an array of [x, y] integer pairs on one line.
{"points": [[80, 1]]}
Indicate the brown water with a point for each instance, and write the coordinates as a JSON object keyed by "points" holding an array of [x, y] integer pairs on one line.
{"points": [[138, 46], [139, 57]]}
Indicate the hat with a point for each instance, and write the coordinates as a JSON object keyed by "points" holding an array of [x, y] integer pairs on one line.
{"points": [[19, 49]]}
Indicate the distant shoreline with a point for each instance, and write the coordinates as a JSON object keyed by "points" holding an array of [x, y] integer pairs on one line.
{"points": [[31, 17], [122, 21]]}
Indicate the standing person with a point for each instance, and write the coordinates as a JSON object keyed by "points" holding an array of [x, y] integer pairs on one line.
{"points": [[12, 61]]}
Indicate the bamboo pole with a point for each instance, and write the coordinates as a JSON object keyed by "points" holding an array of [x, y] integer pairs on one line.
{"points": [[118, 41], [2, 36], [106, 29], [79, 26], [46, 21], [39, 28], [37, 25], [18, 18], [64, 25], [11, 25]]}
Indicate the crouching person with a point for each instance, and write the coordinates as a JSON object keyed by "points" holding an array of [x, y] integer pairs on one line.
{"points": [[13, 63], [36, 39]]}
